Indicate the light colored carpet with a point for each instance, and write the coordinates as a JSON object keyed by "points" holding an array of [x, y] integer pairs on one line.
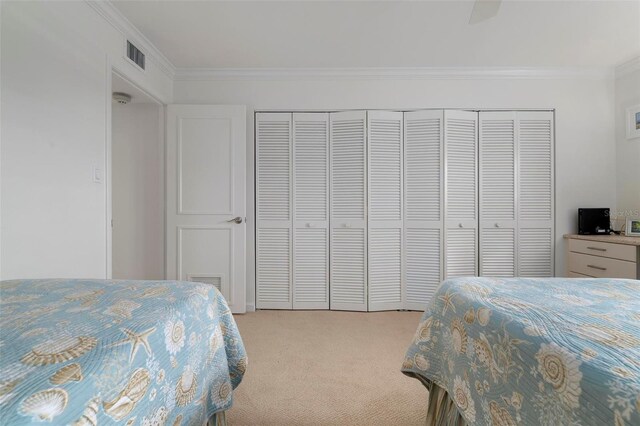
{"points": [[327, 367]]}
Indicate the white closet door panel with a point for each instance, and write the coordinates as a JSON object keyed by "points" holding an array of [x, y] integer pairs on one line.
{"points": [[461, 165], [535, 252], [497, 166], [348, 269], [385, 209], [536, 194], [423, 252], [497, 197], [311, 211], [385, 269], [273, 172], [311, 268], [348, 223], [497, 252], [461, 253], [461, 218], [423, 205], [385, 165], [348, 166], [274, 268], [311, 167], [536, 165], [274, 210], [423, 165]]}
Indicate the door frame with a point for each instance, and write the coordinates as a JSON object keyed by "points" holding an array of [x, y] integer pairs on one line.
{"points": [[111, 71]]}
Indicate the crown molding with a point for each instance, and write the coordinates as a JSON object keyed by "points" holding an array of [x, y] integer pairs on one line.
{"points": [[113, 16], [431, 73], [628, 67]]}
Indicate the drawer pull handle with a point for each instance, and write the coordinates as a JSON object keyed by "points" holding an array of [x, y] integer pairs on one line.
{"points": [[600, 268], [597, 248]]}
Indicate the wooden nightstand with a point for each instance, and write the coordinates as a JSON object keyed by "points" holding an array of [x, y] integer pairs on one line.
{"points": [[603, 256]]}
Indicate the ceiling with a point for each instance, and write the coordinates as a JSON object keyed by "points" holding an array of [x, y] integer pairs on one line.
{"points": [[343, 34]]}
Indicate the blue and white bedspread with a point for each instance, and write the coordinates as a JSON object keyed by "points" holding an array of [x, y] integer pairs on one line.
{"points": [[533, 351], [88, 352]]}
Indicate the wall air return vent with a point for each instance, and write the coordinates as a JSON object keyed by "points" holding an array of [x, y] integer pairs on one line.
{"points": [[135, 54]]}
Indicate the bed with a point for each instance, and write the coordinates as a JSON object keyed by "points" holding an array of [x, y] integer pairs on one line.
{"points": [[88, 352], [530, 351]]}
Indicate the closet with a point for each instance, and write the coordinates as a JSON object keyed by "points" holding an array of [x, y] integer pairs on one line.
{"points": [[516, 193], [371, 210]]}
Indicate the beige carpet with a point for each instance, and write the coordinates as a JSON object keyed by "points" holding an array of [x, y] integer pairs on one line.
{"points": [[322, 367]]}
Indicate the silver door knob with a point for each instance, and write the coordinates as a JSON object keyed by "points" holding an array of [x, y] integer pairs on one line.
{"points": [[237, 219], [460, 225], [497, 225]]}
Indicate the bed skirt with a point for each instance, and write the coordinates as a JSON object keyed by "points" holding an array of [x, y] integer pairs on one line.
{"points": [[218, 419], [441, 410]]}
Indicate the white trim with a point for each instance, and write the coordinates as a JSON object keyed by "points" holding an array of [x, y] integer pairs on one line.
{"points": [[434, 73], [108, 157], [114, 17], [251, 307], [627, 67]]}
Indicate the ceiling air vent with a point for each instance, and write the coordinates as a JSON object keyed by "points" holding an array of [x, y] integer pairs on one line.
{"points": [[135, 54]]}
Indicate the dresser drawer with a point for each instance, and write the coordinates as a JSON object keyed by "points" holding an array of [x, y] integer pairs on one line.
{"points": [[577, 275], [597, 248], [601, 267]]}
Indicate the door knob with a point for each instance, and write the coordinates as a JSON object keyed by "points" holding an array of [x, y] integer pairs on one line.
{"points": [[237, 219], [497, 225], [460, 225]]}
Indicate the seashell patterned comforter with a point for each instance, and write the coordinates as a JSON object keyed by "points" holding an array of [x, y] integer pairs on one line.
{"points": [[89, 352], [531, 351]]}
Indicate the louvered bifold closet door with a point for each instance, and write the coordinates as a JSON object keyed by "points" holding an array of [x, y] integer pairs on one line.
{"points": [[311, 211], [536, 194], [348, 222], [461, 218], [385, 136], [274, 211], [423, 205], [497, 172]]}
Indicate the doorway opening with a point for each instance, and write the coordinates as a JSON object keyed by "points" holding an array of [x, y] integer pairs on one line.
{"points": [[137, 183]]}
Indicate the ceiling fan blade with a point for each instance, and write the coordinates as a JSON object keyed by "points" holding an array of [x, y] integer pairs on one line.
{"points": [[483, 10]]}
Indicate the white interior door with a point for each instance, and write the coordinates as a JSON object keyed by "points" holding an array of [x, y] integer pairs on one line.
{"points": [[497, 165], [385, 219], [348, 222], [461, 195], [423, 205], [206, 177], [311, 211], [535, 252], [274, 211]]}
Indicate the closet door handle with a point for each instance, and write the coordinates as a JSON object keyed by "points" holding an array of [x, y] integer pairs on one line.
{"points": [[237, 220], [497, 225], [460, 225], [600, 268], [597, 248]]}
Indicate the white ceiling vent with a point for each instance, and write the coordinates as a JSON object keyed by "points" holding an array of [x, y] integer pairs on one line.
{"points": [[135, 54]]}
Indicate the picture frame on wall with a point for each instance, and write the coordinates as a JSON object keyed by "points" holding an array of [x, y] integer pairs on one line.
{"points": [[633, 228], [633, 122]]}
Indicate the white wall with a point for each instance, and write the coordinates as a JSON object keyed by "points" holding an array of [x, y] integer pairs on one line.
{"points": [[138, 191], [627, 93], [585, 147], [56, 101]]}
